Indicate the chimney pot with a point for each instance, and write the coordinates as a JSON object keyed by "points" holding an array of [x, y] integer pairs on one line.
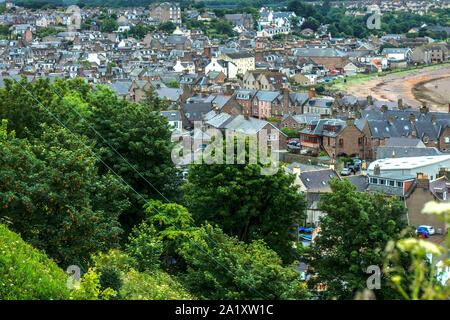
{"points": [[376, 170]]}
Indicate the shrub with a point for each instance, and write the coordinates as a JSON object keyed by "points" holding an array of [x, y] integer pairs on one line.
{"points": [[27, 273], [110, 278], [144, 247]]}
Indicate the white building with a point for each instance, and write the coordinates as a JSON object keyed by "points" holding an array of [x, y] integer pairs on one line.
{"points": [[227, 67], [428, 165]]}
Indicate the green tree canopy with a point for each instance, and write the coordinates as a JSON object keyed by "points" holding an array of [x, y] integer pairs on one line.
{"points": [[53, 195], [245, 203], [226, 268], [353, 234]]}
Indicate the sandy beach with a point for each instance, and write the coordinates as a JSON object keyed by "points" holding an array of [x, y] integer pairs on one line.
{"points": [[430, 86]]}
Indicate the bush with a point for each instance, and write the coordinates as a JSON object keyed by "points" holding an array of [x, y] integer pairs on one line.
{"points": [[110, 278], [144, 247], [141, 285], [26, 273]]}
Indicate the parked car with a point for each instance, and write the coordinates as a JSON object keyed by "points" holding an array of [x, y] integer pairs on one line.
{"points": [[353, 168], [357, 162], [345, 172], [423, 231], [293, 141], [430, 229]]}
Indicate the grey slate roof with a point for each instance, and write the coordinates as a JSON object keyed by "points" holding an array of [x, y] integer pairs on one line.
{"points": [[316, 180], [361, 182], [404, 142], [172, 94], [171, 115], [196, 110], [402, 152]]}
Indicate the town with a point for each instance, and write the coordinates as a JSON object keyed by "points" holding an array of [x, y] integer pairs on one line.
{"points": [[357, 114]]}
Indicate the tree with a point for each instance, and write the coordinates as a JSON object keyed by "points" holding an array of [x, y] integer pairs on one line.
{"points": [[144, 247], [18, 106], [352, 237], [422, 279], [135, 285], [173, 84], [290, 132], [54, 197], [245, 203], [142, 138], [28, 274], [173, 224], [239, 270], [109, 25], [309, 24], [167, 27], [294, 20]]}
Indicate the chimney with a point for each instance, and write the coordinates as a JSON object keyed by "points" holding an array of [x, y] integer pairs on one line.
{"points": [[228, 90], [422, 181], [412, 118], [358, 115], [207, 51], [449, 106], [390, 120], [384, 108], [444, 172], [376, 170], [296, 170], [424, 109], [312, 93], [433, 118], [369, 100], [400, 104], [350, 121]]}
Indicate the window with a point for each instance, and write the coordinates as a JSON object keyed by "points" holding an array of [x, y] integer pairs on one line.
{"points": [[399, 184], [374, 180], [447, 139], [382, 182], [392, 183]]}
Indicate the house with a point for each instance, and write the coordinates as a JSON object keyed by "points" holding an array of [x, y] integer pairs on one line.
{"points": [[227, 67], [428, 54], [313, 183], [428, 190], [173, 118], [262, 103], [265, 80], [322, 106], [244, 61], [410, 166], [165, 11], [405, 147], [397, 54], [240, 19], [297, 121], [302, 79], [173, 95], [248, 126], [191, 112]]}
